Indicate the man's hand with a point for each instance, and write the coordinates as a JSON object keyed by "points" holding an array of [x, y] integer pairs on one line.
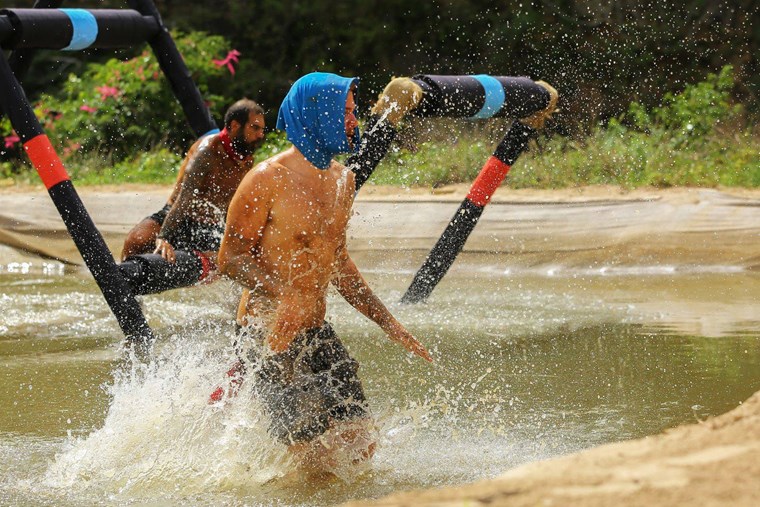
{"points": [[165, 249], [400, 335]]}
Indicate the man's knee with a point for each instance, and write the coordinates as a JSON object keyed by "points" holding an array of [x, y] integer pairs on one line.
{"points": [[141, 239]]}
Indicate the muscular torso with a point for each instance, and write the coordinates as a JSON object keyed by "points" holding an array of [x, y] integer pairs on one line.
{"points": [[300, 238]]}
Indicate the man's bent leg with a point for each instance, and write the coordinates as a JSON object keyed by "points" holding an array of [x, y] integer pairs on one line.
{"points": [[151, 273], [345, 444], [142, 238]]}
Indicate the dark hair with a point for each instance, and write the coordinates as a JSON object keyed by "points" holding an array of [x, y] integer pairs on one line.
{"points": [[240, 111]]}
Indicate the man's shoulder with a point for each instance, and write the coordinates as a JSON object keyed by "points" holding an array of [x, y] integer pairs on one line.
{"points": [[342, 173], [207, 148], [263, 173], [269, 167]]}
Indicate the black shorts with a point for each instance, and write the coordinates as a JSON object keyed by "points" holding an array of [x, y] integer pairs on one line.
{"points": [[160, 215], [307, 386]]}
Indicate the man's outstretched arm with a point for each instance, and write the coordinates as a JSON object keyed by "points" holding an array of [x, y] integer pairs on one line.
{"points": [[354, 289]]}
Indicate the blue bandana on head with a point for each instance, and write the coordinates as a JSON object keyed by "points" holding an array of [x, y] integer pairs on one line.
{"points": [[313, 116]]}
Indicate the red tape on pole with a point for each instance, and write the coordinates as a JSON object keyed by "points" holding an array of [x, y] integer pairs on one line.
{"points": [[493, 173], [46, 161]]}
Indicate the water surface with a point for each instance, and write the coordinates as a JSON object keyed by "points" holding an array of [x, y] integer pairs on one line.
{"points": [[530, 364]]}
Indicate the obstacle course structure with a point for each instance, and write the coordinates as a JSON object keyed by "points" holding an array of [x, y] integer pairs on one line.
{"points": [[44, 26], [475, 97]]}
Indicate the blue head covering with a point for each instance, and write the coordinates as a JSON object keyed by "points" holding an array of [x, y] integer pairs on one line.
{"points": [[313, 116]]}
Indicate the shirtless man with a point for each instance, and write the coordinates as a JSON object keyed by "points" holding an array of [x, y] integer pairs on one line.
{"points": [[193, 222], [285, 242]]}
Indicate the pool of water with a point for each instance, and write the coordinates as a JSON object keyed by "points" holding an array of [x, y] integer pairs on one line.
{"points": [[529, 364]]}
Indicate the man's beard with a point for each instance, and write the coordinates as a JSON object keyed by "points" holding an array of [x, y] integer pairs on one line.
{"points": [[244, 148]]}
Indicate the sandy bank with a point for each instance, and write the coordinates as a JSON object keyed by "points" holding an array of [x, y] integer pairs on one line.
{"points": [[714, 462], [590, 226]]}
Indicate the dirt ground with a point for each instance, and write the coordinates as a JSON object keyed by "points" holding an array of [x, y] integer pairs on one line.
{"points": [[713, 462]]}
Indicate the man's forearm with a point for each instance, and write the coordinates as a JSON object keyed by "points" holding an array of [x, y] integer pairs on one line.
{"points": [[356, 292], [173, 218]]}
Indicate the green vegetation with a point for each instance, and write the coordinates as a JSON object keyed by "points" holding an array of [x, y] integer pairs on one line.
{"points": [[695, 138], [119, 120]]}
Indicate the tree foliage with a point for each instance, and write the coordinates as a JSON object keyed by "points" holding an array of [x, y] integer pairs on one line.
{"points": [[121, 107], [600, 55]]}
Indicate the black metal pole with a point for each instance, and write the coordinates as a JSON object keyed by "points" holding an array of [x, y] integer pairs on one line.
{"points": [[86, 236], [173, 66], [20, 59], [377, 139], [451, 242]]}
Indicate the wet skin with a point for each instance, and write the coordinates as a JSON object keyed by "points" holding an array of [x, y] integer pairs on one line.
{"points": [[286, 242], [208, 179]]}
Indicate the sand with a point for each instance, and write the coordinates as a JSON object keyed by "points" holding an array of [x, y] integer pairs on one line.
{"points": [[584, 227]]}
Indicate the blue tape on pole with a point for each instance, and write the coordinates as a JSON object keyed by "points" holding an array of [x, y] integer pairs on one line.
{"points": [[211, 132], [494, 96], [85, 29]]}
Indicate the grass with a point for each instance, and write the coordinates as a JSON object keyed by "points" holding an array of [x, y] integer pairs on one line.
{"points": [[454, 152], [608, 156]]}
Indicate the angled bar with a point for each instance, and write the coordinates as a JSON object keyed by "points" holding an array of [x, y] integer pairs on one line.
{"points": [[87, 238], [428, 96], [173, 66], [74, 29], [451, 242]]}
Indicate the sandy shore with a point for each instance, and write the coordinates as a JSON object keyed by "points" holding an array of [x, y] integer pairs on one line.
{"points": [[585, 227], [713, 462]]}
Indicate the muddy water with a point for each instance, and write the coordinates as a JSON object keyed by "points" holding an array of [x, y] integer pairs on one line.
{"points": [[530, 364]]}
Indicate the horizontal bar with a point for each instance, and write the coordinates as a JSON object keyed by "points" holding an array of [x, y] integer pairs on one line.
{"points": [[6, 28], [479, 96], [73, 28]]}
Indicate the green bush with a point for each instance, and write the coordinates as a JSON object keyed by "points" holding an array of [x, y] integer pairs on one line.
{"points": [[274, 142], [118, 108], [159, 165], [691, 115]]}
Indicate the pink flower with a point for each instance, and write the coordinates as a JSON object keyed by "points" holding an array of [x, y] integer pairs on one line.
{"points": [[107, 91], [87, 108], [232, 57], [72, 147], [11, 140]]}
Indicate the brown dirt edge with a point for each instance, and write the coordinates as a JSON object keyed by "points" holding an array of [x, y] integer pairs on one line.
{"points": [[713, 462], [453, 192]]}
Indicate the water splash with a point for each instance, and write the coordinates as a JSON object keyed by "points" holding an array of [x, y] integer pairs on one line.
{"points": [[160, 432]]}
